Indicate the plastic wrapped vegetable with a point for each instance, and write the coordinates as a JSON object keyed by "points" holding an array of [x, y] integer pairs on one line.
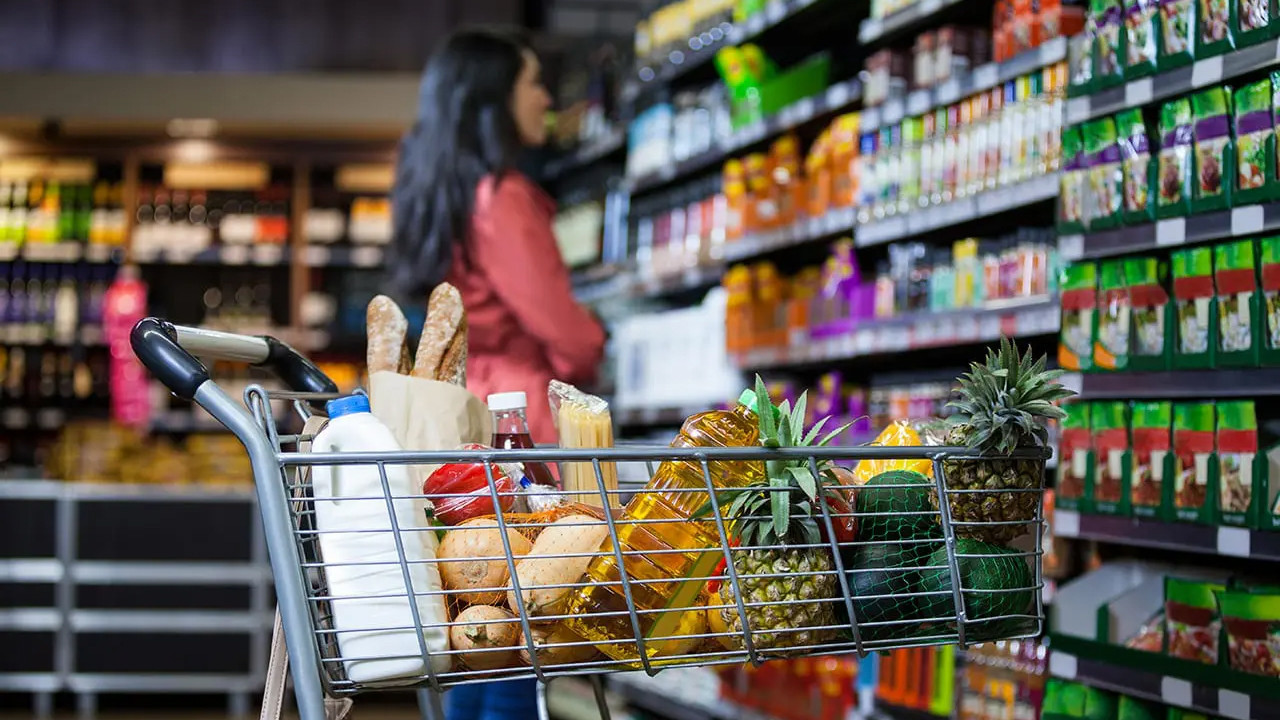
{"points": [[460, 491], [898, 434]]}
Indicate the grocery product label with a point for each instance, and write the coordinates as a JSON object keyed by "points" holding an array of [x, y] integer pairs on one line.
{"points": [[1152, 440], [1252, 623], [1136, 151], [1237, 448], [1236, 280], [1175, 167], [1111, 349], [1193, 440], [1073, 453], [1255, 135], [1079, 300], [1140, 34]]}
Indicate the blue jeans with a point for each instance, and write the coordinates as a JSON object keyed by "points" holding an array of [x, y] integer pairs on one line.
{"points": [[504, 700]]}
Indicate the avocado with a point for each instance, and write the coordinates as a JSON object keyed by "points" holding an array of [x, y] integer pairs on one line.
{"points": [[908, 512], [888, 569], [996, 582]]}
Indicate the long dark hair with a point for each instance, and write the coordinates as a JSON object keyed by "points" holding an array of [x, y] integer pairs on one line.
{"points": [[464, 132]]}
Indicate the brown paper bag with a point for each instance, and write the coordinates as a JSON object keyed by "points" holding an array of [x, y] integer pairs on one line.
{"points": [[428, 415]]}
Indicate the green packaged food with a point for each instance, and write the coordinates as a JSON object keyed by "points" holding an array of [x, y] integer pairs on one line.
{"points": [[1251, 20], [1251, 624], [1269, 274], [1139, 167], [1151, 307], [1108, 43], [1214, 36], [1111, 346], [1080, 60], [1135, 709], [1239, 467], [1177, 33], [1235, 276], [1071, 183], [1215, 156], [1194, 297], [1109, 493], [1079, 289], [1151, 459], [1075, 457], [1192, 623], [1176, 163], [1193, 446], [1141, 27], [1104, 193], [1255, 143]]}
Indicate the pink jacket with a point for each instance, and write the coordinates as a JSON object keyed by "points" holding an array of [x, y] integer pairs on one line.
{"points": [[526, 327]]}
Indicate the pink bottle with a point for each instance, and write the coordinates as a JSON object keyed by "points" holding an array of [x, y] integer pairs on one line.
{"points": [[124, 305]]}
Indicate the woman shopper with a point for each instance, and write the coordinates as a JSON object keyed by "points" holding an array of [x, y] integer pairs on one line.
{"points": [[464, 214]]}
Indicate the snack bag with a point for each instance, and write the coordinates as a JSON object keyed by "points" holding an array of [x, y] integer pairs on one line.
{"points": [[1215, 28], [1177, 33], [898, 434], [1176, 167], [1215, 156], [1072, 183], [1075, 450], [1079, 316], [1152, 457], [1192, 623], [1141, 26], [1255, 143], [1108, 45], [1235, 274], [1080, 60], [1104, 195], [1270, 273], [1252, 20], [1252, 623], [1152, 313], [1237, 462], [1110, 429], [1193, 445], [1111, 348], [1139, 167], [1196, 333]]}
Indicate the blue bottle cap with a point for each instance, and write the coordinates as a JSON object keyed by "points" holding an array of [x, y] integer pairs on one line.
{"points": [[347, 405]]}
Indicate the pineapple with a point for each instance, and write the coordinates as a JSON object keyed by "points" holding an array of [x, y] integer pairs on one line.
{"points": [[795, 602], [1001, 408]]}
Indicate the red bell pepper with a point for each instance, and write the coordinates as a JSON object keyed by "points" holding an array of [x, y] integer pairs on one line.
{"points": [[469, 488], [846, 527]]}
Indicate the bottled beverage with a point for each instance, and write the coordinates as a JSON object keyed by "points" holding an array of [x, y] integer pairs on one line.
{"points": [[672, 581], [511, 431]]}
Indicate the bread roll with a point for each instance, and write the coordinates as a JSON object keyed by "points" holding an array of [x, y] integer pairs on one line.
{"points": [[387, 328], [444, 316]]}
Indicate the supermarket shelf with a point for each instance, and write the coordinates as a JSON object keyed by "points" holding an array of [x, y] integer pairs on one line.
{"points": [[166, 683], [1237, 222], [982, 78], [668, 705], [185, 621], [1140, 92], [696, 278], [92, 572], [1066, 660], [837, 98], [30, 682], [17, 489], [875, 29], [654, 417], [30, 570], [359, 256], [1177, 384], [901, 712], [982, 205], [17, 418], [60, 252], [588, 153], [261, 255], [30, 619], [1200, 539], [834, 222], [1025, 318]]}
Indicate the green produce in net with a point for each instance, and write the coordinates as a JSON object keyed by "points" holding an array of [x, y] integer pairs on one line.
{"points": [[996, 582]]}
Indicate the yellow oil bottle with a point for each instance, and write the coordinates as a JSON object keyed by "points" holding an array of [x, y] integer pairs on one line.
{"points": [[667, 555]]}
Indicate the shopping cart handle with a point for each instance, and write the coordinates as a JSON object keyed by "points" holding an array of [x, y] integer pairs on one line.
{"points": [[166, 350]]}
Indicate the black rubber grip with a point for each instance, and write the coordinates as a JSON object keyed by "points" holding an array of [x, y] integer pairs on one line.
{"points": [[297, 372], [155, 342]]}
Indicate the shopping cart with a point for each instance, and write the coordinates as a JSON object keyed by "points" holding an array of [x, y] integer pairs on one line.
{"points": [[907, 579]]}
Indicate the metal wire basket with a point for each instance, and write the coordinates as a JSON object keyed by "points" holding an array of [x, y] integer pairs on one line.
{"points": [[626, 580]]}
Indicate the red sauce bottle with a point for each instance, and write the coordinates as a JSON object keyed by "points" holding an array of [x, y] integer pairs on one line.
{"points": [[511, 431]]}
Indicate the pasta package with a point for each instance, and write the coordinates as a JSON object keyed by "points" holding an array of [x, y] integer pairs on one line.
{"points": [[583, 421]]}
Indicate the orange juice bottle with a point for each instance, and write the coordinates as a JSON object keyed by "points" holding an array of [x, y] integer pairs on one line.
{"points": [[762, 205], [734, 188], [737, 285], [844, 153], [787, 181], [817, 171]]}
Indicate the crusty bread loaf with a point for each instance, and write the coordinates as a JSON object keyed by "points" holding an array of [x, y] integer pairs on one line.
{"points": [[444, 317], [453, 367], [387, 328]]}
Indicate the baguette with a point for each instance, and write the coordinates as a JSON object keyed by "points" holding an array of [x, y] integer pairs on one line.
{"points": [[453, 367], [386, 327], [444, 316]]}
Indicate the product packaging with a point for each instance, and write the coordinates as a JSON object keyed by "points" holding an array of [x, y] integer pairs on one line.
{"points": [[1252, 20], [1192, 623], [1109, 493], [1109, 44], [1193, 443], [818, 175], [1177, 33], [1080, 61], [1079, 316], [1270, 276], [1152, 312], [1151, 458], [583, 421], [784, 163], [1111, 347], [1255, 144], [1196, 333], [1214, 36], [1239, 306], [1215, 153], [1134, 709], [1251, 624], [1064, 700], [1139, 167], [1075, 457], [1072, 182], [734, 184], [1105, 189], [868, 182], [1141, 26], [1241, 469], [1176, 166]]}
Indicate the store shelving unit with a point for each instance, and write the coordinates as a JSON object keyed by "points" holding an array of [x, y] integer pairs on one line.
{"points": [[964, 210], [1177, 385], [876, 29], [1242, 221], [1180, 537], [89, 577]]}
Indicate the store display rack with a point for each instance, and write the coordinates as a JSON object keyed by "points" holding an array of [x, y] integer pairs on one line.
{"points": [[1180, 537], [60, 252], [71, 642], [1173, 83], [18, 418], [956, 212], [589, 153], [1025, 318], [833, 222], [984, 77], [1180, 683], [226, 255], [875, 29], [1176, 384], [1240, 221]]}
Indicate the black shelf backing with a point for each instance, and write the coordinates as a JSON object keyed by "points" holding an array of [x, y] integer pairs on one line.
{"points": [[1179, 384]]}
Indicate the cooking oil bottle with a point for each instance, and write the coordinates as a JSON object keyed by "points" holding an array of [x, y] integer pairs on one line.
{"points": [[657, 522]]}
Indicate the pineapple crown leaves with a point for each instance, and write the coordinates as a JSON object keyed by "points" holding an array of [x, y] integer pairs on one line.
{"points": [[1003, 400]]}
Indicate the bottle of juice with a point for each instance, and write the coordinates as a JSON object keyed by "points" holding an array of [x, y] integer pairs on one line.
{"points": [[657, 521]]}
